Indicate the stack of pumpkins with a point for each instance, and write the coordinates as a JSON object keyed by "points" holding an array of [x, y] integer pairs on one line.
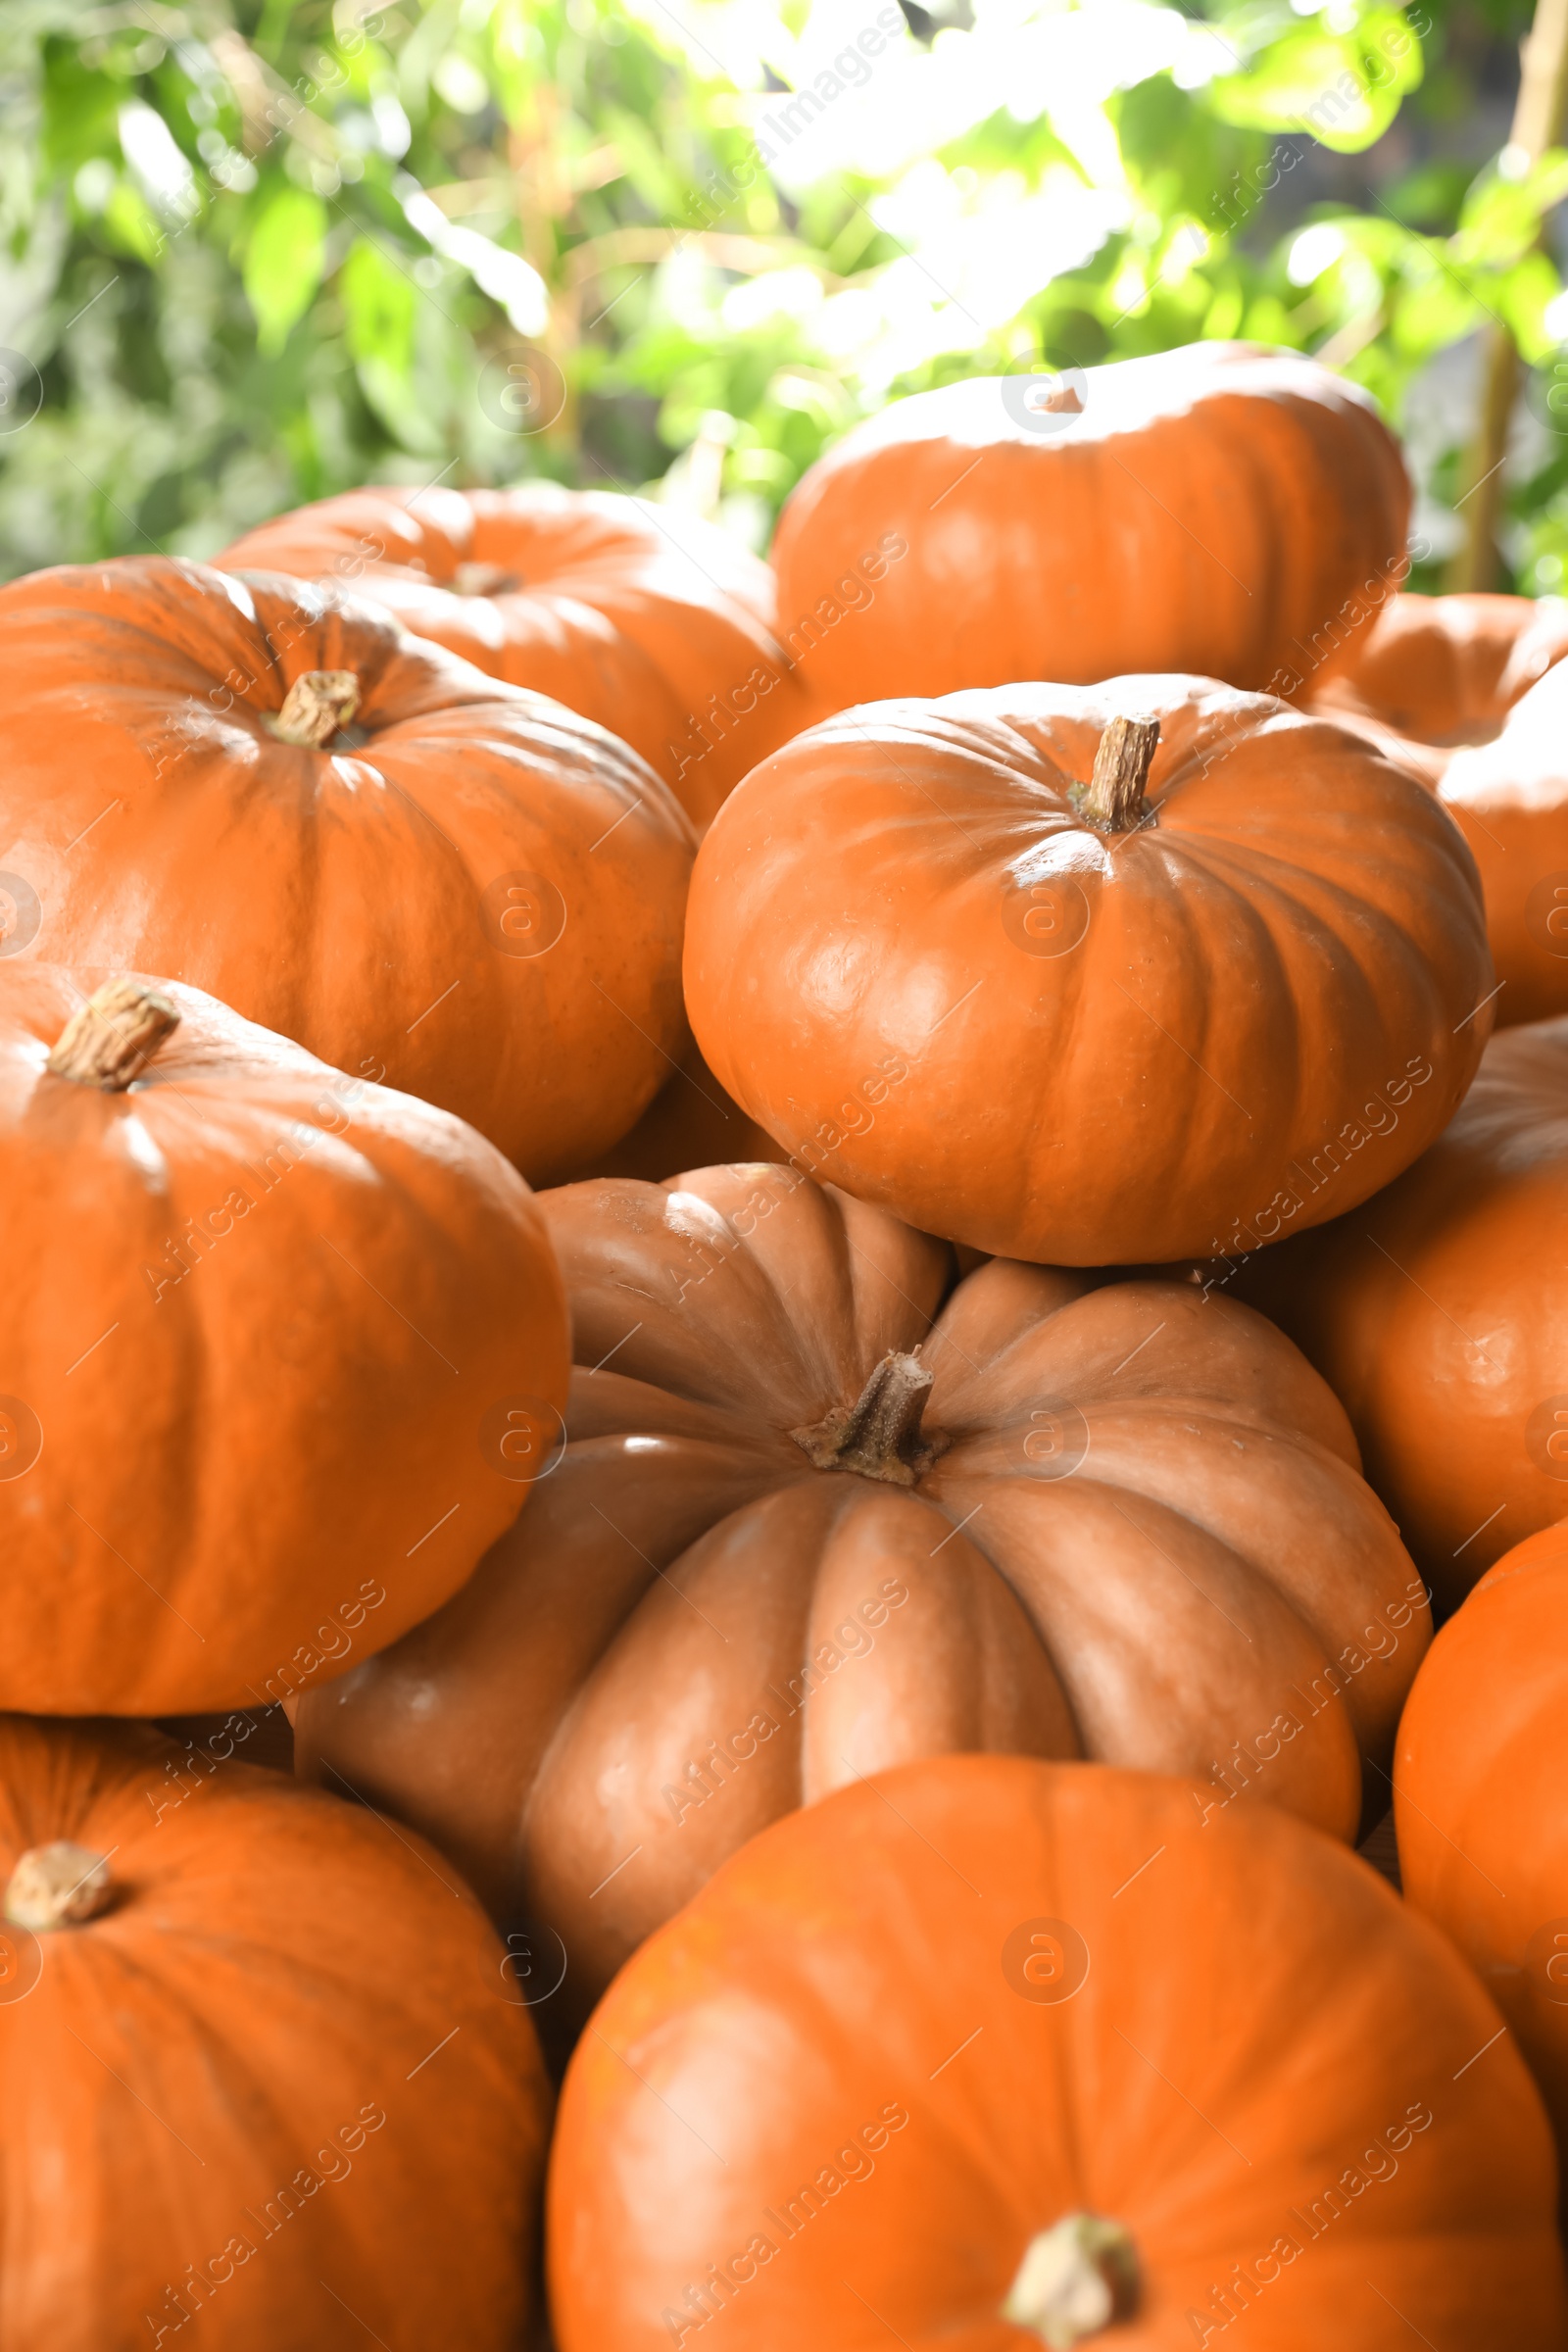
{"points": [[908, 1459]]}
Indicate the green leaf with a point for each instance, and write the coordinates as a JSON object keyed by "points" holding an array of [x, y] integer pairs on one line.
{"points": [[283, 258], [1344, 88]]}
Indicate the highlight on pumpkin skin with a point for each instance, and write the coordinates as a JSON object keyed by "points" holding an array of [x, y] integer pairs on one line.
{"points": [[819, 2105]]}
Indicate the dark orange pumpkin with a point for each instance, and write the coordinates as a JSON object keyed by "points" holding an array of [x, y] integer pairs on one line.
{"points": [[979, 962], [265, 1328], [1222, 509], [986, 2053], [1464, 691], [812, 1516], [1483, 1757], [651, 621], [262, 2065], [1438, 1315], [349, 836]]}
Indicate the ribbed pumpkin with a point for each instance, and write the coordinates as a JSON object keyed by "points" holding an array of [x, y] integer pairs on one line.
{"points": [[978, 960], [986, 2053], [813, 1516], [1478, 1783], [1223, 509], [264, 1326], [651, 621], [1439, 1314], [348, 835], [262, 2067], [1465, 691]]}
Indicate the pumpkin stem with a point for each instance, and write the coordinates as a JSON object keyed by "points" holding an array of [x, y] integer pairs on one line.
{"points": [[879, 1435], [112, 1036], [1074, 2279], [483, 579], [57, 1885], [1113, 799], [316, 706]]}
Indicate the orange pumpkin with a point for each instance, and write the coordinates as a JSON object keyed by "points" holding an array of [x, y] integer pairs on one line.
{"points": [[977, 961], [654, 622], [1478, 1798], [1222, 509], [813, 1517], [986, 2052], [1465, 691], [1438, 1315], [349, 836], [264, 1330], [262, 2065]]}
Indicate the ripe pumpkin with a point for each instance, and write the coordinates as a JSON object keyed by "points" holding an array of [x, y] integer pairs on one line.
{"points": [[654, 623], [985, 2052], [1465, 691], [264, 1327], [1478, 1798], [258, 2065], [690, 1123], [1442, 672], [955, 960], [1222, 509], [812, 1516], [471, 891], [1438, 1315]]}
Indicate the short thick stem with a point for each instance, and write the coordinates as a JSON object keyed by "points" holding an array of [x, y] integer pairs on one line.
{"points": [[316, 706], [111, 1038], [1075, 2280], [1113, 798], [57, 1885], [879, 1435], [483, 579]]}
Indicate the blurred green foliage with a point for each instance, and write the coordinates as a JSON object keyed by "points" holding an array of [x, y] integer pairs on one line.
{"points": [[255, 251]]}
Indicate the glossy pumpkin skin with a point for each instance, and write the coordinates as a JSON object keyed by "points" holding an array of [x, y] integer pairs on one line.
{"points": [[1142, 1540], [906, 2030], [264, 1324], [220, 2098], [637, 617], [1465, 690], [1222, 509], [912, 959], [1438, 1315], [481, 902], [1478, 1798]]}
